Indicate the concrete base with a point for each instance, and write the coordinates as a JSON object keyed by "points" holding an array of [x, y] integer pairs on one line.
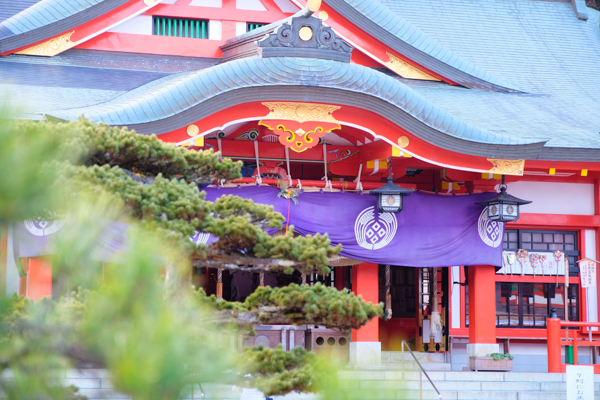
{"points": [[482, 349], [365, 354]]}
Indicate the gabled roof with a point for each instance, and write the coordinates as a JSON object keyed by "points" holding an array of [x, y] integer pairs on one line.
{"points": [[376, 19], [176, 101], [48, 18]]}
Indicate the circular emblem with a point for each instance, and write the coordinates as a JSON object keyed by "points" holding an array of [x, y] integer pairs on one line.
{"points": [[305, 33], [494, 209], [510, 209], [200, 238], [42, 227], [490, 231], [261, 341], [390, 201], [192, 130], [373, 230]]}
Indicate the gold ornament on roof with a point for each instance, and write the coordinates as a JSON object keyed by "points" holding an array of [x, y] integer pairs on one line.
{"points": [[301, 112], [403, 142], [305, 33], [50, 47], [406, 70], [323, 15], [507, 167], [192, 130]]}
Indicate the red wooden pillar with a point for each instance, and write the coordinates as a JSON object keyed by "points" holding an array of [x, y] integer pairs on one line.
{"points": [[365, 283], [39, 278], [554, 345], [365, 348], [482, 311]]}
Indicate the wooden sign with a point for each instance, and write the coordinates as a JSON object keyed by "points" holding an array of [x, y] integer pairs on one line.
{"points": [[580, 382], [587, 273]]}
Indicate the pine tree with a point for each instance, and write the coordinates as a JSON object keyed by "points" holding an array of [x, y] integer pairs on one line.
{"points": [[102, 173]]}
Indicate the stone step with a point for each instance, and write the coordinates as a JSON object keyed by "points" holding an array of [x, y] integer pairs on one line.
{"points": [[412, 366], [397, 356]]}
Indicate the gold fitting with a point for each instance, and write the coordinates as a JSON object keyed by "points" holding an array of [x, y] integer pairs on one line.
{"points": [[323, 15], [403, 142], [313, 5], [192, 130], [305, 33]]}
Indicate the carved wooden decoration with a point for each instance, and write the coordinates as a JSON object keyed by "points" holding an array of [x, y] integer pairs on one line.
{"points": [[507, 167], [50, 47], [406, 70], [300, 125]]}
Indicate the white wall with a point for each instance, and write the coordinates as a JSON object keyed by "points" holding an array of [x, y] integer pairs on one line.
{"points": [[455, 297], [12, 275], [240, 28], [591, 293], [214, 29], [142, 25], [255, 5], [286, 6], [207, 3], [555, 198]]}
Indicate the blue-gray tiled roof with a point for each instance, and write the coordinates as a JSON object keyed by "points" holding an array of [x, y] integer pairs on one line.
{"points": [[171, 96], [540, 46], [48, 18]]}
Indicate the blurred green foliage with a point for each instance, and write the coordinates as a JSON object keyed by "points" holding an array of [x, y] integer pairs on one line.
{"points": [[138, 316]]}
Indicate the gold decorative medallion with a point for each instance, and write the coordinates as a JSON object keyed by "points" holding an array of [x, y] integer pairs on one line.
{"points": [[301, 112], [305, 33], [300, 126], [507, 167], [313, 5], [403, 142], [406, 70], [323, 15], [50, 47], [192, 130]]}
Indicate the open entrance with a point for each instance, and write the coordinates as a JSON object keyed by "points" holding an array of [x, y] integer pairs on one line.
{"points": [[411, 291]]}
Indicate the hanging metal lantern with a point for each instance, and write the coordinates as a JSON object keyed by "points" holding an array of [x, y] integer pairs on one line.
{"points": [[390, 197], [503, 207]]}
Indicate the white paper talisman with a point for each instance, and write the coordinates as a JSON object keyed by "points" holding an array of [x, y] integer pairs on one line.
{"points": [[580, 382], [587, 273]]}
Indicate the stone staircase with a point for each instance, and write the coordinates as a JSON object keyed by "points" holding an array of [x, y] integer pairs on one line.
{"points": [[458, 385], [376, 384], [392, 360]]}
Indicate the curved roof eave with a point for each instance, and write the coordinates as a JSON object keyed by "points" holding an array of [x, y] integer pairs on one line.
{"points": [[173, 102], [377, 20], [48, 18]]}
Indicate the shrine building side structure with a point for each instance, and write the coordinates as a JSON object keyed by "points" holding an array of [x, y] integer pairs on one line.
{"points": [[456, 101]]}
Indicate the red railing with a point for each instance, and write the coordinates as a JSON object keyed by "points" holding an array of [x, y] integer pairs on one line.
{"points": [[558, 337]]}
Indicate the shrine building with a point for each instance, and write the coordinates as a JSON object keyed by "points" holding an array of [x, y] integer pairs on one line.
{"points": [[450, 102]]}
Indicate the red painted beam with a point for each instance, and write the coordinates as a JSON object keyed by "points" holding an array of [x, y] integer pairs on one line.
{"points": [[548, 221]]}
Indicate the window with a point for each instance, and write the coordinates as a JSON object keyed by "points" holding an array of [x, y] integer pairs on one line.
{"points": [[250, 26], [566, 241], [180, 27], [527, 305]]}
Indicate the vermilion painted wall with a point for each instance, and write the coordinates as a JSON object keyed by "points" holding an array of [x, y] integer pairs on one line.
{"points": [[39, 278], [365, 283]]}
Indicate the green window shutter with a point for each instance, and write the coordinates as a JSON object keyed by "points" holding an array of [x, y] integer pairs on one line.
{"points": [[181, 27]]}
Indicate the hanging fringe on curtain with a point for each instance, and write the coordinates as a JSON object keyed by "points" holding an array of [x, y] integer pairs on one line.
{"points": [[436, 319], [388, 297], [287, 160], [220, 284], [359, 185], [258, 177], [324, 178]]}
